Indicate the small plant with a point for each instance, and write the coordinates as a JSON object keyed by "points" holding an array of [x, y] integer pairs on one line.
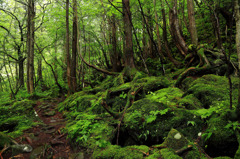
{"points": [[153, 115], [191, 123], [233, 125], [123, 95]]}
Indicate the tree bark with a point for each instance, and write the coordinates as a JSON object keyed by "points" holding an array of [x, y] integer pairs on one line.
{"points": [[128, 54], [116, 61], [175, 29], [74, 49], [158, 32], [167, 49], [30, 46], [237, 19], [192, 23], [67, 48]]}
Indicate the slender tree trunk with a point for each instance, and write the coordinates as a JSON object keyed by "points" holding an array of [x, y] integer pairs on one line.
{"points": [[30, 47], [128, 54], [67, 49], [158, 32], [237, 19], [74, 48], [39, 72], [192, 23], [175, 29], [115, 54], [168, 52]]}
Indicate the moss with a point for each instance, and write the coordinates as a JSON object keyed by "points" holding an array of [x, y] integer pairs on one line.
{"points": [[149, 121], [155, 153], [209, 89], [175, 140], [116, 152], [168, 153], [4, 140], [151, 84], [222, 141], [224, 157], [119, 80], [189, 102], [168, 96], [78, 101], [108, 152]]}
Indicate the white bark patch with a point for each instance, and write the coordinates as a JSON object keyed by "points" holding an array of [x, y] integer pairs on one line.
{"points": [[177, 136]]}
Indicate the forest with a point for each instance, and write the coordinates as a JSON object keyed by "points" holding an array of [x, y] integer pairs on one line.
{"points": [[155, 79]]}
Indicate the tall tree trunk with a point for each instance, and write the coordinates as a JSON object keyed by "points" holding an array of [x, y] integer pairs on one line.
{"points": [[74, 48], [237, 19], [158, 32], [39, 72], [165, 39], [128, 54], [116, 63], [21, 71], [192, 24], [175, 29], [30, 46], [67, 49]]}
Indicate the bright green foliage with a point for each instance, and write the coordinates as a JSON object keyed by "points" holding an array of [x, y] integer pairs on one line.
{"points": [[89, 131]]}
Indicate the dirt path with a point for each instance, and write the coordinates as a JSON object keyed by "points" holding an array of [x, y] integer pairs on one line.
{"points": [[47, 139]]}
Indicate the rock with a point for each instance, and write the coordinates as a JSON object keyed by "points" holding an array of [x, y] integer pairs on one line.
{"points": [[17, 149], [175, 140]]}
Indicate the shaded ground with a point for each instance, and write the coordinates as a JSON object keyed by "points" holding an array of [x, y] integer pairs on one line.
{"points": [[47, 139]]}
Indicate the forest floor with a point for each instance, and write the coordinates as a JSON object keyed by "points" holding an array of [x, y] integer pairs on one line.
{"points": [[47, 139]]}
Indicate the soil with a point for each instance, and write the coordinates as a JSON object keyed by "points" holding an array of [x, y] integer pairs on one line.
{"points": [[47, 139]]}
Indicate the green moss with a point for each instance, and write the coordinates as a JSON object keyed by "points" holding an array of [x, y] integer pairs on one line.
{"points": [[119, 80], [225, 157], [209, 89], [151, 84], [175, 140], [168, 96], [189, 102], [116, 152], [78, 101], [4, 140], [222, 139], [168, 153], [154, 154]]}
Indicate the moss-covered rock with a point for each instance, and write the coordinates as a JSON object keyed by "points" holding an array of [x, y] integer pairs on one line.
{"points": [[175, 140], [209, 89], [78, 101], [168, 153], [151, 84], [149, 120], [222, 140], [116, 152]]}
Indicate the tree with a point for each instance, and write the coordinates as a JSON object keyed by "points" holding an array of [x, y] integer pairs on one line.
{"points": [[30, 46], [192, 23], [237, 19], [128, 54]]}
